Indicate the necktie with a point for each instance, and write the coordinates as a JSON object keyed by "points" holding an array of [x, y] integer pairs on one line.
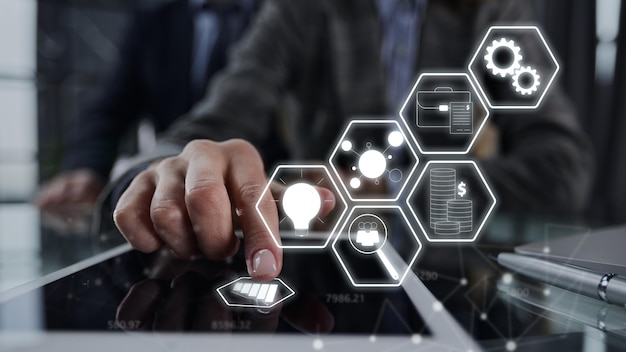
{"points": [[206, 31], [213, 27]]}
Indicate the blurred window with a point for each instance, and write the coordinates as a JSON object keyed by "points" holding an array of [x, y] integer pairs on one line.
{"points": [[18, 100], [607, 30]]}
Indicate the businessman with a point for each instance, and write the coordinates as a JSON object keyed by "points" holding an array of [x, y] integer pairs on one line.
{"points": [[339, 58], [169, 54]]}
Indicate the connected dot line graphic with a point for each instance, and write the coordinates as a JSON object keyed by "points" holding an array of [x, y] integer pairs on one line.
{"points": [[373, 157], [375, 165], [372, 163]]}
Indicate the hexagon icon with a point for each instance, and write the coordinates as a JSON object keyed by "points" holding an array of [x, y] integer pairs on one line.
{"points": [[306, 221], [374, 159], [445, 113], [244, 292], [451, 201], [514, 67], [367, 237]]}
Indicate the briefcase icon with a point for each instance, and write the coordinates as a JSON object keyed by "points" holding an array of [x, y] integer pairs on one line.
{"points": [[433, 106]]}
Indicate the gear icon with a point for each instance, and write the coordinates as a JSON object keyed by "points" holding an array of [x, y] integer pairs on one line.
{"points": [[529, 80], [512, 56]]}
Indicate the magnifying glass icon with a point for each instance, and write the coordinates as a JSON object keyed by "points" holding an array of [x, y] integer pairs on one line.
{"points": [[367, 235]]}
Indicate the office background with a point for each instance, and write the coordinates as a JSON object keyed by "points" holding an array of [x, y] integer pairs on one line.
{"points": [[55, 52]]}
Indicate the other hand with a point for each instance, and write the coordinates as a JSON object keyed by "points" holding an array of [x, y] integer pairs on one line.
{"points": [[81, 186]]}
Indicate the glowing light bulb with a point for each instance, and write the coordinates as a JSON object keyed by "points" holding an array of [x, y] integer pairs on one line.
{"points": [[301, 203]]}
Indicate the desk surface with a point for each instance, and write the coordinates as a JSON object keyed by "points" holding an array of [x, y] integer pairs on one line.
{"points": [[136, 300], [34, 243]]}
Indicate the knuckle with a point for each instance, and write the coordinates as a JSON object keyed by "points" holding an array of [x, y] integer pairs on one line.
{"points": [[239, 146], [167, 216], [204, 192], [144, 177], [198, 145], [169, 164], [144, 245], [261, 238], [122, 217], [250, 193]]}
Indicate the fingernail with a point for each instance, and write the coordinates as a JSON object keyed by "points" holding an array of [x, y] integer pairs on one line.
{"points": [[263, 263]]}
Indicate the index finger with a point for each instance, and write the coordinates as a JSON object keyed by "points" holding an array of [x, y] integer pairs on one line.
{"points": [[245, 182]]}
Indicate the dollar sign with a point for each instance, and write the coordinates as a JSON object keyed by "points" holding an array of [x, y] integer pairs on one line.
{"points": [[462, 189]]}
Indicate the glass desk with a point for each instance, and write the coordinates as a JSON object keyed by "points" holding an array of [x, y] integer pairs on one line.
{"points": [[35, 243], [456, 298]]}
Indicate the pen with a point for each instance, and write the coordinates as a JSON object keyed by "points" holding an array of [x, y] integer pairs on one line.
{"points": [[569, 305], [608, 287]]}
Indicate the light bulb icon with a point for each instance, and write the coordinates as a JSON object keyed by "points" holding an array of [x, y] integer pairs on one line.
{"points": [[301, 203]]}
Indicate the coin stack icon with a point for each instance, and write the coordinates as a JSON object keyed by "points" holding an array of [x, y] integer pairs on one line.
{"points": [[447, 228], [460, 211], [442, 190]]}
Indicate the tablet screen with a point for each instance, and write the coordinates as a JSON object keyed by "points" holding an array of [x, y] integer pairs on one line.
{"points": [[138, 292]]}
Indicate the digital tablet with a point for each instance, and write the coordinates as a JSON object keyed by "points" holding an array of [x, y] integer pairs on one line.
{"points": [[128, 300]]}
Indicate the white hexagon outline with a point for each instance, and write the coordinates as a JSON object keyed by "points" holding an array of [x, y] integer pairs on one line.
{"points": [[408, 224], [486, 217], [408, 142], [475, 91], [547, 87], [219, 292], [337, 191]]}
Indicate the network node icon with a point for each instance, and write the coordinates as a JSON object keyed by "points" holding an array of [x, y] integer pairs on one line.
{"points": [[451, 201], [374, 160], [514, 67], [247, 293], [367, 237], [305, 219]]}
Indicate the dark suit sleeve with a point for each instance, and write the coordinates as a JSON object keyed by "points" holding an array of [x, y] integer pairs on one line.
{"points": [[243, 97], [95, 140], [545, 163]]}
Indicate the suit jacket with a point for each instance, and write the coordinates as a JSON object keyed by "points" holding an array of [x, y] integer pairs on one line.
{"points": [[150, 79], [327, 55]]}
